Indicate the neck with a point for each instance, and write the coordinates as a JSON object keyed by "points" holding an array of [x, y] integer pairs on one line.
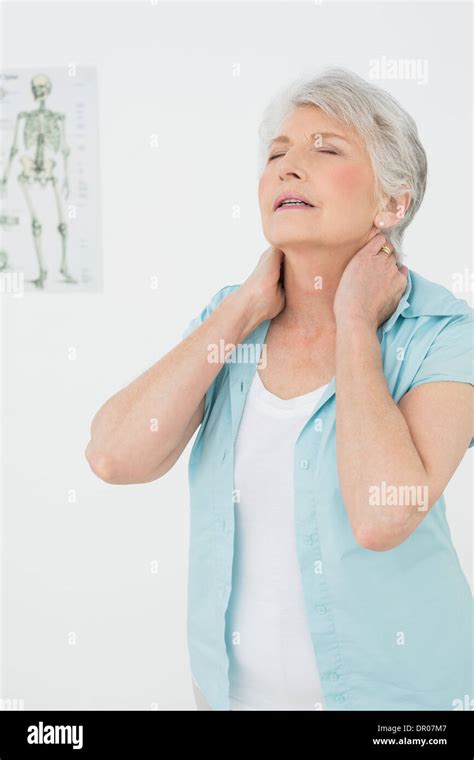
{"points": [[311, 277]]}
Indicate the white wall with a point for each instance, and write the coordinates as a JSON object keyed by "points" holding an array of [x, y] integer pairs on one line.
{"points": [[167, 69]]}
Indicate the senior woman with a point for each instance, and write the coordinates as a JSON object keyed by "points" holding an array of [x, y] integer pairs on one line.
{"points": [[322, 574]]}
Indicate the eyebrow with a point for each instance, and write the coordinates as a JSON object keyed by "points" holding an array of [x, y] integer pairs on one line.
{"points": [[286, 139]]}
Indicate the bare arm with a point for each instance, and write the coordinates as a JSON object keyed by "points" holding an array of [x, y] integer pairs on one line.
{"points": [[140, 432], [394, 461], [414, 448]]}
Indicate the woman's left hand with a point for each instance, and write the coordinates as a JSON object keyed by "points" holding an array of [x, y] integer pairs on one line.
{"points": [[370, 287]]}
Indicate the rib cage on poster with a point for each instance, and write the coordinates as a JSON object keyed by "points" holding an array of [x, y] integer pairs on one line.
{"points": [[49, 179]]}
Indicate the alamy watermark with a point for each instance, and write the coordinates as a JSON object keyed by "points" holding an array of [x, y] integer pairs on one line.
{"points": [[12, 283], [415, 69], [385, 495], [49, 734], [242, 353]]}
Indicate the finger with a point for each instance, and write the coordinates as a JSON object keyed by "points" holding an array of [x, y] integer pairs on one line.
{"points": [[388, 251]]}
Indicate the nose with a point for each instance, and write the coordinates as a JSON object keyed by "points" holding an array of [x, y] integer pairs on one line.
{"points": [[290, 165]]}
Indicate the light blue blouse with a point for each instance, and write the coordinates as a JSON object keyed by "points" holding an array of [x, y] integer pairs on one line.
{"points": [[391, 630]]}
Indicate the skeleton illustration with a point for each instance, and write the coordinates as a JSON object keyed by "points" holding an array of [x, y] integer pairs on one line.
{"points": [[6, 221], [44, 132]]}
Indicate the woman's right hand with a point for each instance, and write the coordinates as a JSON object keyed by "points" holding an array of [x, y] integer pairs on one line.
{"points": [[264, 287]]}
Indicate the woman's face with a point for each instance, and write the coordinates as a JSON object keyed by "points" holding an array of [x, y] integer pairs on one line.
{"points": [[332, 173]]}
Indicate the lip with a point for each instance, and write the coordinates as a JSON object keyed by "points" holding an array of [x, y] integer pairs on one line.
{"points": [[293, 197]]}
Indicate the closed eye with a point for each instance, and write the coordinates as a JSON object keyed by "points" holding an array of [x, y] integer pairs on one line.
{"points": [[332, 152]]}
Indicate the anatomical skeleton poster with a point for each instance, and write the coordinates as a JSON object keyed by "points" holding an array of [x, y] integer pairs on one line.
{"points": [[49, 178]]}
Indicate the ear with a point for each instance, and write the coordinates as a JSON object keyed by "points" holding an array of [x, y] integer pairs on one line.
{"points": [[395, 210]]}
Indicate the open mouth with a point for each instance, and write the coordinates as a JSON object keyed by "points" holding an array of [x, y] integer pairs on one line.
{"points": [[293, 204], [291, 200]]}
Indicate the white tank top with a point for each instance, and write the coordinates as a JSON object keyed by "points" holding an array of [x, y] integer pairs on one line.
{"points": [[272, 665]]}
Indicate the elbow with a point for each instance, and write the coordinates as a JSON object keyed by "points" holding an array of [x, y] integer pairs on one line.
{"points": [[372, 538], [100, 465], [391, 531], [110, 471]]}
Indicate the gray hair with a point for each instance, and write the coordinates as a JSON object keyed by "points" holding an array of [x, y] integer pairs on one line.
{"points": [[390, 133]]}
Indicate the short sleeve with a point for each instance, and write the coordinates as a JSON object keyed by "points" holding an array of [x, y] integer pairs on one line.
{"points": [[216, 299], [451, 355]]}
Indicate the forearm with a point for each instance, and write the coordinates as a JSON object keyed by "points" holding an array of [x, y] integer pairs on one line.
{"points": [[143, 423], [379, 467]]}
